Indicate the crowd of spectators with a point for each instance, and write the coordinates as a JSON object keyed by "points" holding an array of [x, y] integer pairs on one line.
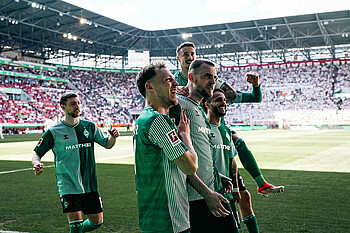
{"points": [[307, 90], [296, 95]]}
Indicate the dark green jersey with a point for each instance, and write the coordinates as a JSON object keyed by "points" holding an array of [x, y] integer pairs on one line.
{"points": [[246, 97], [223, 148], [73, 147], [181, 79], [160, 184]]}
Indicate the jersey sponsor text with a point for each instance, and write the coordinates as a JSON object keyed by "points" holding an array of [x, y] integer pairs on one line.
{"points": [[78, 146]]}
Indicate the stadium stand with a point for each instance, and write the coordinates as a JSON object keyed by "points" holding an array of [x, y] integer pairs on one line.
{"points": [[297, 95]]}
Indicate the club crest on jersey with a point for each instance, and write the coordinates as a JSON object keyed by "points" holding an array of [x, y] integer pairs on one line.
{"points": [[173, 138], [86, 133], [228, 136], [65, 136]]}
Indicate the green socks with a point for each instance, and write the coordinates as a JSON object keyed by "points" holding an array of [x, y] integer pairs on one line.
{"points": [[88, 226], [76, 226], [248, 161], [79, 226], [251, 223], [260, 181]]}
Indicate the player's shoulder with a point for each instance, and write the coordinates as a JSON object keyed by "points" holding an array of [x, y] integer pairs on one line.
{"points": [[185, 102], [225, 127], [86, 122], [56, 126], [148, 115]]}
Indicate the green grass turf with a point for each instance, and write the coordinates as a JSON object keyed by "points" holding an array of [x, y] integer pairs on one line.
{"points": [[314, 200]]}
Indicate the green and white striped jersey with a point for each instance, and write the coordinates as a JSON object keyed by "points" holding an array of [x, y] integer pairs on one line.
{"points": [[161, 186], [200, 137], [73, 147]]}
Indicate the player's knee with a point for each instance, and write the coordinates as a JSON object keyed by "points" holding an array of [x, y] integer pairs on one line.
{"points": [[245, 199], [96, 225], [245, 195]]}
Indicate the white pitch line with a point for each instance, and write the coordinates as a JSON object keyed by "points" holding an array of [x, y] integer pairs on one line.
{"points": [[26, 169], [11, 232], [19, 170]]}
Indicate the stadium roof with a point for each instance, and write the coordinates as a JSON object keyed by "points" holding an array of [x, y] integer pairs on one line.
{"points": [[42, 26]]}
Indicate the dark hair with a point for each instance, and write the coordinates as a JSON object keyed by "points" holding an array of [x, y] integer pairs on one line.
{"points": [[66, 96], [197, 63], [208, 100], [147, 73], [184, 44]]}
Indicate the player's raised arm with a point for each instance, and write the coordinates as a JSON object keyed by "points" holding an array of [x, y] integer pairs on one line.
{"points": [[253, 78], [230, 93]]}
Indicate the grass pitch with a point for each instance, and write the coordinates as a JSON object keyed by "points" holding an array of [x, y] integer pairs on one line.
{"points": [[314, 166]]}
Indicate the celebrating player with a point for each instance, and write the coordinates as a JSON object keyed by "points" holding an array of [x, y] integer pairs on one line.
{"points": [[209, 210], [185, 54], [164, 155], [72, 142], [223, 156]]}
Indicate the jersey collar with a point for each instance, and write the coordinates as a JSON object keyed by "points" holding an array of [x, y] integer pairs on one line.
{"points": [[72, 126]]}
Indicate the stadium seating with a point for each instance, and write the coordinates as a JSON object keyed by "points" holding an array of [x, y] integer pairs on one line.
{"points": [[306, 90], [296, 95]]}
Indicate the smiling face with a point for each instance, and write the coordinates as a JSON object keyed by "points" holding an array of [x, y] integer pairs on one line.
{"points": [[218, 104], [72, 107], [165, 87], [204, 80], [185, 56]]}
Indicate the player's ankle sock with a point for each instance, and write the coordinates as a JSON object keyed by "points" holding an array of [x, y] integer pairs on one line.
{"points": [[247, 159], [76, 226], [88, 226], [260, 181], [251, 223]]}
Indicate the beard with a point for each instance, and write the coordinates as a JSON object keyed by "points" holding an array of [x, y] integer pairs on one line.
{"points": [[167, 101], [74, 114], [205, 93], [217, 112]]}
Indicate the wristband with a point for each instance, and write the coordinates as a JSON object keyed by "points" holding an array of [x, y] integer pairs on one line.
{"points": [[235, 190]]}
